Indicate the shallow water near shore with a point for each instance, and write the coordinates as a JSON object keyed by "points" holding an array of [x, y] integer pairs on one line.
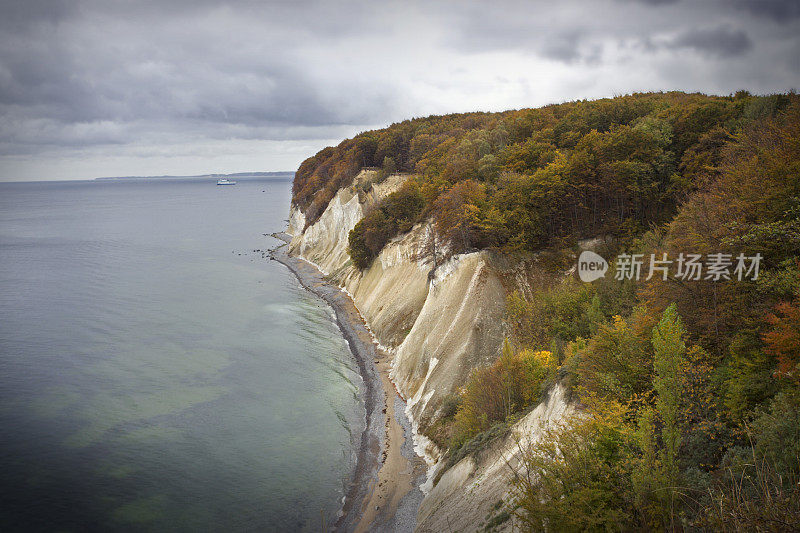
{"points": [[153, 378]]}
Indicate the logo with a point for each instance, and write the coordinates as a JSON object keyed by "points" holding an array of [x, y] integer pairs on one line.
{"points": [[687, 267], [591, 266]]}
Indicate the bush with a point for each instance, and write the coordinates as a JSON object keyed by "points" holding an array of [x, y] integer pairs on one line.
{"points": [[395, 215], [618, 360], [753, 496], [493, 394], [557, 315], [450, 405], [777, 432], [475, 444], [574, 479]]}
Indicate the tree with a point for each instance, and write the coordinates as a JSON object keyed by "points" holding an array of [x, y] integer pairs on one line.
{"points": [[389, 166], [395, 215], [783, 339], [495, 393], [574, 479], [456, 213], [668, 361], [618, 361]]}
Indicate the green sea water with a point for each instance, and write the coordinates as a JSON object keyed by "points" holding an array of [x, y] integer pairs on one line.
{"points": [[156, 372]]}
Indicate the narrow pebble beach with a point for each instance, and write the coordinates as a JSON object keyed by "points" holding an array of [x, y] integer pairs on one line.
{"points": [[384, 494]]}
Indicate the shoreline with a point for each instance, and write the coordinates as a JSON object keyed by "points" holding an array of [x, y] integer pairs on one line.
{"points": [[384, 492]]}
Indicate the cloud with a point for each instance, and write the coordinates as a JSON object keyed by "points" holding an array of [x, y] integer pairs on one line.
{"points": [[102, 77], [721, 41], [18, 14], [777, 10], [205, 67], [475, 29], [655, 2]]}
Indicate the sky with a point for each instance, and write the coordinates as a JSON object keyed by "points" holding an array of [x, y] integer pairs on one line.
{"points": [[92, 88]]}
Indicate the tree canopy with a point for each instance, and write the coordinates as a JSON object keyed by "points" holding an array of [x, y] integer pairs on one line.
{"points": [[530, 178]]}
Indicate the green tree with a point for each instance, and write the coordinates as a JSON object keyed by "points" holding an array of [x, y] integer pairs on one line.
{"points": [[668, 362], [388, 166]]}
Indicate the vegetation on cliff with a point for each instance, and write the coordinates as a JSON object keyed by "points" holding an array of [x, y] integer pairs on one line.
{"points": [[691, 387], [521, 180], [396, 214]]}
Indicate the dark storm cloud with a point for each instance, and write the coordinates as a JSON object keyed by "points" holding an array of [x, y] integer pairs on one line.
{"points": [[170, 76], [473, 28], [145, 82], [16, 14], [777, 10], [579, 33], [569, 47], [722, 41], [121, 63]]}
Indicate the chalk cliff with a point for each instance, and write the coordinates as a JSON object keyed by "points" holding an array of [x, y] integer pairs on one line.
{"points": [[438, 320]]}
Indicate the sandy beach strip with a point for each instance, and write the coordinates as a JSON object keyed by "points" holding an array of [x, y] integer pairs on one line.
{"points": [[393, 501], [384, 493]]}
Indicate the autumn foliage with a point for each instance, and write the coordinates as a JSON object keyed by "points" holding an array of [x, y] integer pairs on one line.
{"points": [[526, 179], [690, 389], [496, 393], [783, 340]]}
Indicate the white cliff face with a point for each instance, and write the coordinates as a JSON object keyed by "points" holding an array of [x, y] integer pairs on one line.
{"points": [[324, 243], [392, 291], [437, 325], [456, 318], [460, 325], [297, 221]]}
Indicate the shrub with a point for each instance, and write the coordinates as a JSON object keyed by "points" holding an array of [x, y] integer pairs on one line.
{"points": [[574, 480], [475, 444], [395, 215], [557, 315], [753, 496], [777, 432], [494, 393], [618, 360]]}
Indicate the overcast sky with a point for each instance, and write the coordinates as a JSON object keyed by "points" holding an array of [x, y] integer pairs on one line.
{"points": [[110, 88]]}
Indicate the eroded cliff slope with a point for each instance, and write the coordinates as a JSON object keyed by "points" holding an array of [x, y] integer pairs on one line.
{"points": [[438, 323], [439, 320]]}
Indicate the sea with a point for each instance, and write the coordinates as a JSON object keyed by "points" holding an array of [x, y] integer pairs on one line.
{"points": [[157, 371]]}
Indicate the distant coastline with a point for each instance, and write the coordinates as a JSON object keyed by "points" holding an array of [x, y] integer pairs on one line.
{"points": [[276, 175]]}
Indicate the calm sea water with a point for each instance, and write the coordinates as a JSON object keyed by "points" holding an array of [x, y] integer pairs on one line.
{"points": [[156, 374]]}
